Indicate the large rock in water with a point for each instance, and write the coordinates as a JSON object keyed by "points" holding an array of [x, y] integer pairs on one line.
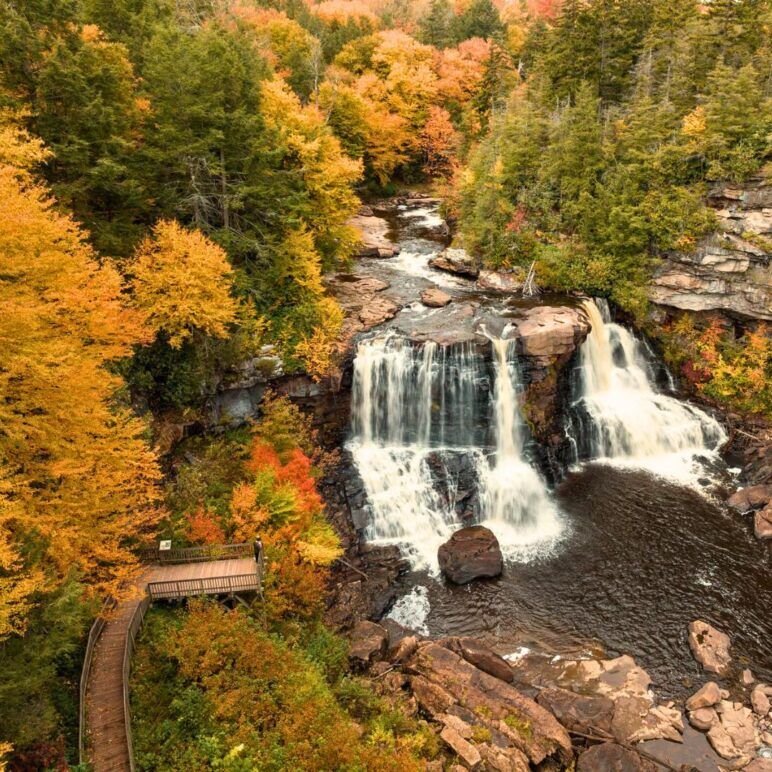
{"points": [[455, 261], [710, 647], [470, 553], [373, 238]]}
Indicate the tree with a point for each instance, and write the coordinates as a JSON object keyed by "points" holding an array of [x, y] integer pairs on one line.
{"points": [[479, 20], [435, 29], [440, 143], [182, 283], [79, 485]]}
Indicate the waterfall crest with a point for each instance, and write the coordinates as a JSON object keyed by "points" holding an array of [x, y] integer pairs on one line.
{"points": [[423, 444], [618, 415]]}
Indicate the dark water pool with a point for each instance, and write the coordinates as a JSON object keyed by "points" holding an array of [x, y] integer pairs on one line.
{"points": [[641, 558]]}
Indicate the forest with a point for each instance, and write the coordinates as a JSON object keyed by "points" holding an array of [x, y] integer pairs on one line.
{"points": [[178, 179]]}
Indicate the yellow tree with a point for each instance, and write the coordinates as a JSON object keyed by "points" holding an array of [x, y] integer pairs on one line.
{"points": [[182, 282], [77, 482]]}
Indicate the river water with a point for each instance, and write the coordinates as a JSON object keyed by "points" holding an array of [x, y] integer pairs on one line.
{"points": [[620, 557]]}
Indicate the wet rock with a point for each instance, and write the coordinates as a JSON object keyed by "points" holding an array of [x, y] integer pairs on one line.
{"points": [[470, 553], [710, 647], [547, 333], [703, 718], [457, 261], [455, 481], [752, 497], [443, 682], [481, 657], [368, 644], [435, 298], [582, 713], [760, 701], [498, 281], [706, 697], [610, 757], [373, 239], [762, 523], [468, 754]]}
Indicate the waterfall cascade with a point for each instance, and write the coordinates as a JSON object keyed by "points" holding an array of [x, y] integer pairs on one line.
{"points": [[421, 421], [619, 416]]}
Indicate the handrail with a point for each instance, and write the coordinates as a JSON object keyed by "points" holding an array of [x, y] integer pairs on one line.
{"points": [[172, 589], [197, 554], [136, 622], [93, 637]]}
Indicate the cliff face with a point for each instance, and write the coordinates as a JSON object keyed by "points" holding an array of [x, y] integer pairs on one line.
{"points": [[730, 270]]}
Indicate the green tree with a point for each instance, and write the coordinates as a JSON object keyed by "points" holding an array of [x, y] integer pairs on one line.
{"points": [[480, 20], [436, 27]]}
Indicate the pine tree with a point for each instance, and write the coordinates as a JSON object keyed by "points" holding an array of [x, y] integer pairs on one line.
{"points": [[435, 29]]}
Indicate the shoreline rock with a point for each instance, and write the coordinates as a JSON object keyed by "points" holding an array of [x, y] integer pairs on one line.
{"points": [[470, 553], [455, 261], [710, 647]]}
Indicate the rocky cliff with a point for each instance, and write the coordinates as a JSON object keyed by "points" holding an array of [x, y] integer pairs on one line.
{"points": [[730, 270]]}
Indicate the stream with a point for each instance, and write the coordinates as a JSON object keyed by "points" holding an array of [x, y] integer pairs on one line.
{"points": [[620, 556]]}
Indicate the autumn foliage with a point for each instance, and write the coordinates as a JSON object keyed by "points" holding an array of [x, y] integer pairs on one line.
{"points": [[78, 481]]}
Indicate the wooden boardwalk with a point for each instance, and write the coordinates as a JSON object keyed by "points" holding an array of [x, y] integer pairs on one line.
{"points": [[105, 716]]}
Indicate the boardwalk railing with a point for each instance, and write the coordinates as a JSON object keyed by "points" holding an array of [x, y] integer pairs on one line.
{"points": [[93, 637], [198, 554], [128, 650], [215, 585]]}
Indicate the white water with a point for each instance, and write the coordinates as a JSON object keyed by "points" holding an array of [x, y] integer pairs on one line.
{"points": [[412, 610], [629, 422], [420, 418]]}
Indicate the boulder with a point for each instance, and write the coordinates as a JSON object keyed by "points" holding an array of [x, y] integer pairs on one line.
{"points": [[373, 239], [435, 298], [610, 757], [481, 657], [746, 678], [547, 333], [498, 281], [368, 644], [760, 701], [468, 754], [703, 718], [444, 682], [710, 647], [736, 734], [590, 714], [752, 497], [404, 649], [759, 765], [706, 697], [469, 554], [457, 261], [762, 523]]}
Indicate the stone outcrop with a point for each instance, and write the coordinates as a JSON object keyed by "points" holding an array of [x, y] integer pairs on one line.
{"points": [[470, 553], [373, 236], [499, 281], [446, 684], [481, 657], [752, 497], [369, 642], [730, 270], [548, 334], [610, 757], [710, 647], [735, 737], [435, 298], [457, 261]]}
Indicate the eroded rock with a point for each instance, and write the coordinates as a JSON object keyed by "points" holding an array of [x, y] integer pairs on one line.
{"points": [[610, 757], [582, 713], [481, 657], [368, 644], [470, 553], [710, 647], [752, 497], [705, 697], [373, 238], [548, 333], [498, 281], [435, 298], [760, 701], [457, 261], [703, 718], [762, 523]]}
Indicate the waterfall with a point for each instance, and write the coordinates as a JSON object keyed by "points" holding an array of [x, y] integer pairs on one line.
{"points": [[421, 442], [619, 416]]}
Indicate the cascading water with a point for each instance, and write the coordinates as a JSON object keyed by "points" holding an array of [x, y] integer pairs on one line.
{"points": [[618, 416], [421, 420]]}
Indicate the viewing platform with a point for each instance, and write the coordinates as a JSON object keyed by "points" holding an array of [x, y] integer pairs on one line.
{"points": [[227, 570]]}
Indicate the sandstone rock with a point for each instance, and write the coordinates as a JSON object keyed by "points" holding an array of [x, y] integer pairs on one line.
{"points": [[752, 497], [582, 713], [738, 724], [468, 754], [550, 332], [443, 682], [368, 644], [481, 657], [746, 678], [503, 759], [706, 697], [610, 757], [703, 718], [499, 281], [760, 701], [404, 649], [710, 647], [762, 523], [470, 553], [722, 743], [457, 261], [435, 298], [373, 239], [759, 765]]}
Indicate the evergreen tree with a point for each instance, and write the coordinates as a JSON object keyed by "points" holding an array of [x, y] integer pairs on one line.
{"points": [[480, 20], [436, 28]]}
